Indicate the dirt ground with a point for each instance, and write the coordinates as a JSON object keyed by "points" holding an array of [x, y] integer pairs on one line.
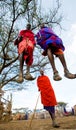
{"points": [[40, 124]]}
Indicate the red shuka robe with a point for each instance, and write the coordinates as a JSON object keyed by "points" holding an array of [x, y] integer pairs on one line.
{"points": [[26, 45], [47, 93]]}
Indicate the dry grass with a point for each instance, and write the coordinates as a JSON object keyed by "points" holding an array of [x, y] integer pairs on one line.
{"points": [[40, 124]]}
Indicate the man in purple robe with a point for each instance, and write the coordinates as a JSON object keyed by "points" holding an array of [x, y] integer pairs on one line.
{"points": [[53, 45]]}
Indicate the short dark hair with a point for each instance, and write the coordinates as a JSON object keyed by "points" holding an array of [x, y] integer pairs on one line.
{"points": [[28, 26], [42, 25]]}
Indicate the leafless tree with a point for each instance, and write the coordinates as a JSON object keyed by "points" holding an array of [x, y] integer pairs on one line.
{"points": [[12, 13]]}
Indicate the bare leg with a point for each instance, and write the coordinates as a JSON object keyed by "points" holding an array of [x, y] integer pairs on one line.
{"points": [[21, 60], [21, 64], [62, 59], [28, 76], [51, 59], [66, 71], [28, 69], [53, 120]]}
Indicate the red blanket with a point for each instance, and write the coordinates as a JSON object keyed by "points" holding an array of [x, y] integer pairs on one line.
{"points": [[47, 93]]}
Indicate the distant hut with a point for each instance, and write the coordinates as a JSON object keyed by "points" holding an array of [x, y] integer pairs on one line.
{"points": [[75, 110]]}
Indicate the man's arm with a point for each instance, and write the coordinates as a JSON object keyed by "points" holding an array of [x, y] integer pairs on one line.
{"points": [[18, 40]]}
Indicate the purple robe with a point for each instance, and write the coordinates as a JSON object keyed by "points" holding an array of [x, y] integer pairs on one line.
{"points": [[46, 37]]}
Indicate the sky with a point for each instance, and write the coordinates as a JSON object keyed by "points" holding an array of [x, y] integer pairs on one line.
{"points": [[65, 90]]}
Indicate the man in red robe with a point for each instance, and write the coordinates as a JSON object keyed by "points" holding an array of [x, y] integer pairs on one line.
{"points": [[48, 98], [25, 43]]}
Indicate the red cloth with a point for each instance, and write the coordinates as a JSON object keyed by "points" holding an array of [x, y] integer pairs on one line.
{"points": [[27, 34], [26, 46], [28, 56], [47, 93]]}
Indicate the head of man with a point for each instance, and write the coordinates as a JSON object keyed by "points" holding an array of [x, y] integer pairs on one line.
{"points": [[28, 26], [41, 72], [42, 25]]}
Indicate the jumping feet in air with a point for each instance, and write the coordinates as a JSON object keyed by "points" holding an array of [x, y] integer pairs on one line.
{"points": [[56, 75], [67, 74], [20, 79], [27, 76]]}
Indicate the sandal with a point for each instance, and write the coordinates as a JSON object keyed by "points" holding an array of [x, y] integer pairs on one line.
{"points": [[19, 80], [56, 126], [56, 76], [69, 75], [28, 76]]}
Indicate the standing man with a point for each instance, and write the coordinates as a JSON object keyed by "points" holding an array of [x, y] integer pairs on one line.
{"points": [[48, 98], [25, 43], [53, 45]]}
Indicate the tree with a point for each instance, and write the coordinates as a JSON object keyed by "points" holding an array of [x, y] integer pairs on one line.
{"points": [[61, 106], [12, 12]]}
